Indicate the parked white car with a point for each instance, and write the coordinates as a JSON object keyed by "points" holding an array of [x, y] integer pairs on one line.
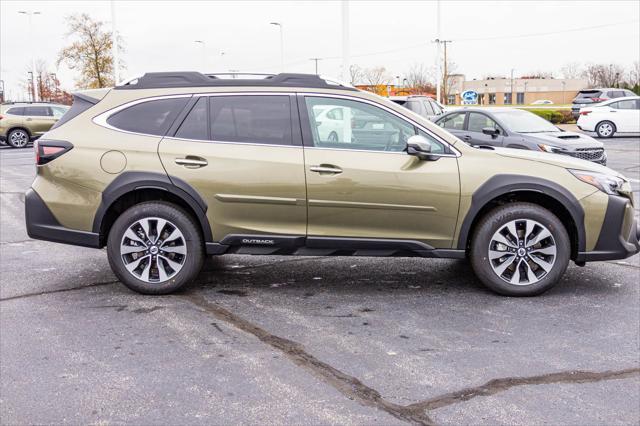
{"points": [[542, 102], [333, 123], [619, 115]]}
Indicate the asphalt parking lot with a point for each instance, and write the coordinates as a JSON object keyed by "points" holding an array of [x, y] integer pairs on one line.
{"points": [[285, 340]]}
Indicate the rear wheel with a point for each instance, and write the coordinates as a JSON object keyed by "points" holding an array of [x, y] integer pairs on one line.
{"points": [[18, 138], [520, 249], [155, 248], [333, 137], [605, 129]]}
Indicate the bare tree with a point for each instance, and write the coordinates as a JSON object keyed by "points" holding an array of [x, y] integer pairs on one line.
{"points": [[356, 74], [449, 69], [634, 75], [571, 70], [604, 75], [419, 78], [377, 76], [539, 74]]}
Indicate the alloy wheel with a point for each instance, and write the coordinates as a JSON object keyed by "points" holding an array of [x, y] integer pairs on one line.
{"points": [[18, 138], [153, 249], [522, 252]]}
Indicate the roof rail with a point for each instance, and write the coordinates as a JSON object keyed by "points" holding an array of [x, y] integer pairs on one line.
{"points": [[157, 80]]}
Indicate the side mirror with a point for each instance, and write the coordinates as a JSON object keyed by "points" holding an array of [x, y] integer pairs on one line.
{"points": [[493, 132], [420, 147]]}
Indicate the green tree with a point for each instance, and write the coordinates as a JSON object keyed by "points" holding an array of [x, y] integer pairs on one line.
{"points": [[90, 52]]}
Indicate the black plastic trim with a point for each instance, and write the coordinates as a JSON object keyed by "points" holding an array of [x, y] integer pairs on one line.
{"points": [[505, 184], [131, 181], [42, 225], [611, 243]]}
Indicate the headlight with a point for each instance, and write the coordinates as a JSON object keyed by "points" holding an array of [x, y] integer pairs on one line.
{"points": [[606, 183], [549, 148]]}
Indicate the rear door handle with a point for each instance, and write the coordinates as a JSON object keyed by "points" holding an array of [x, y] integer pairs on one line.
{"points": [[191, 162], [326, 169], [466, 137]]}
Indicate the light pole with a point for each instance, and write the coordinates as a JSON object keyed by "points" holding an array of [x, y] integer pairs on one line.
{"points": [[279, 25], [316, 61], [29, 14], [511, 88], [204, 54], [114, 45], [563, 84], [524, 96]]}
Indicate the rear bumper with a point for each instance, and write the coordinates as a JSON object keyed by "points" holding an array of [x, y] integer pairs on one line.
{"points": [[42, 225], [619, 236]]}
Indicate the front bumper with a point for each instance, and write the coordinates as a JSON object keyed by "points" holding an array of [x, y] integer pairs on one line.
{"points": [[619, 236], [42, 225]]}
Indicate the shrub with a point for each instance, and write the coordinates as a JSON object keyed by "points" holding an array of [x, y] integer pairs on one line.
{"points": [[555, 116]]}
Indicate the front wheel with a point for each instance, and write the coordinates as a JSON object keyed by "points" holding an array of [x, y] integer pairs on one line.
{"points": [[18, 138], [520, 249], [155, 248], [605, 129]]}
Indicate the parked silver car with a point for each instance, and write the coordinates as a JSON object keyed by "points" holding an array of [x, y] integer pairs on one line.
{"points": [[421, 105], [515, 128]]}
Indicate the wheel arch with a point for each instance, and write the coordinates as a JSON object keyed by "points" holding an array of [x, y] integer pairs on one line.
{"points": [[502, 189], [132, 188]]}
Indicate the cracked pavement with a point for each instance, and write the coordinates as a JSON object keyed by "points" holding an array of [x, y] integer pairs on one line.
{"points": [[317, 340]]}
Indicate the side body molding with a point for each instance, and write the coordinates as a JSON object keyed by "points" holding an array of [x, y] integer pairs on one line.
{"points": [[132, 181], [505, 184]]}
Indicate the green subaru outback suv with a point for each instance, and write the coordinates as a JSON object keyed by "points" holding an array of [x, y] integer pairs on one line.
{"points": [[171, 167], [21, 123]]}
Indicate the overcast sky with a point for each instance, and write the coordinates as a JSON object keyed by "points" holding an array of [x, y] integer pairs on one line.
{"points": [[489, 37]]}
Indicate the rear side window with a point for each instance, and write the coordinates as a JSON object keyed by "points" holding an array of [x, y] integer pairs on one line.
{"points": [[16, 111], [616, 94], [251, 119], [195, 125], [428, 108], [37, 111], [150, 118], [415, 106]]}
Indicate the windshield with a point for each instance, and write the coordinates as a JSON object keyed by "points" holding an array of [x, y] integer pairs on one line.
{"points": [[525, 122]]}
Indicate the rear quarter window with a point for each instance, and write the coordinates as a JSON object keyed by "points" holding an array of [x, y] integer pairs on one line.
{"points": [[15, 111], [149, 117]]}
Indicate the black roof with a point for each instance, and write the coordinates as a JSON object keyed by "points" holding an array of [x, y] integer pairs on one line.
{"points": [[157, 80]]}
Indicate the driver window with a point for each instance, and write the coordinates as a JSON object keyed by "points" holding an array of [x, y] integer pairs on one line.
{"points": [[360, 126], [479, 121]]}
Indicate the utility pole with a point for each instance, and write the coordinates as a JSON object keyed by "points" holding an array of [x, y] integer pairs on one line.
{"points": [[316, 61], [279, 24], [438, 70], [346, 65], [29, 14], [445, 77], [114, 45]]}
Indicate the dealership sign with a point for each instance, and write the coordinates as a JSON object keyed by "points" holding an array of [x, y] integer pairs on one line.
{"points": [[469, 97]]}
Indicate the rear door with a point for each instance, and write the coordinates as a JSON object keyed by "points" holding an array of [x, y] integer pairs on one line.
{"points": [[626, 115], [244, 157], [38, 119]]}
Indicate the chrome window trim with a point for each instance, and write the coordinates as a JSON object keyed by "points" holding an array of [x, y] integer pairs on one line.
{"points": [[101, 119], [456, 153]]}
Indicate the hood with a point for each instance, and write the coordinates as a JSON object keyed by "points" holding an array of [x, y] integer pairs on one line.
{"points": [[564, 161], [569, 140]]}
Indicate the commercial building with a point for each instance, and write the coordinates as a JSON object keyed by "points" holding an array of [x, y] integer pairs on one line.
{"points": [[519, 91]]}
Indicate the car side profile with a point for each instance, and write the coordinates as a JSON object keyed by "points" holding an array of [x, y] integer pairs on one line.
{"points": [[21, 123], [520, 129], [590, 97], [619, 115], [171, 167]]}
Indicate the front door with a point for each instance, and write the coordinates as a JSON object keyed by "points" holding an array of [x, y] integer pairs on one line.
{"points": [[244, 157], [478, 121], [38, 119], [370, 187]]}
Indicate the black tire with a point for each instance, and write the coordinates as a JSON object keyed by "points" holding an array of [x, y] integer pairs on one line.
{"points": [[18, 138], [192, 261], [605, 129], [497, 219]]}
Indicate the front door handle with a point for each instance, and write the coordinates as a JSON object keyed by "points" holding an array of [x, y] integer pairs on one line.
{"points": [[466, 138], [191, 162], [326, 169]]}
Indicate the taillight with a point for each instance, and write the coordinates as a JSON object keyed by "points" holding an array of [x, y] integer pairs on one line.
{"points": [[598, 99], [48, 150], [585, 112], [1, 116]]}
